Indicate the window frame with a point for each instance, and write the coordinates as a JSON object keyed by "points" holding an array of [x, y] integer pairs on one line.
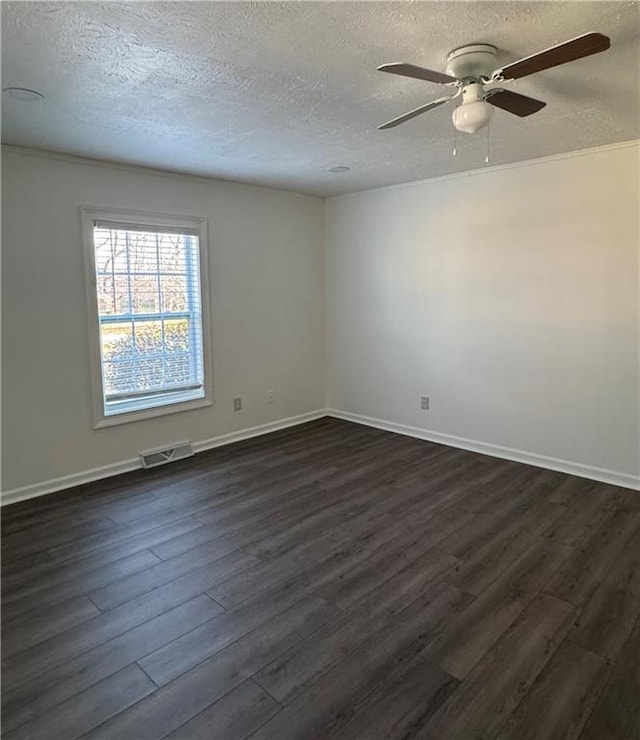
{"points": [[88, 216]]}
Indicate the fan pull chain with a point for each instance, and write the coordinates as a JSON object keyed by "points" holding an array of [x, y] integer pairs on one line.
{"points": [[486, 159], [455, 141]]}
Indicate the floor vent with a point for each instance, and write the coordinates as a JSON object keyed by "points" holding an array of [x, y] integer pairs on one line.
{"points": [[153, 458]]}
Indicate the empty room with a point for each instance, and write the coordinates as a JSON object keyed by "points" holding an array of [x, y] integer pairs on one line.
{"points": [[320, 370]]}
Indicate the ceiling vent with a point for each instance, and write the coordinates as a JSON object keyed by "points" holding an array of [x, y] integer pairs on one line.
{"points": [[178, 451]]}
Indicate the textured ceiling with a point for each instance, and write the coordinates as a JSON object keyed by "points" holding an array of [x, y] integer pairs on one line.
{"points": [[277, 93]]}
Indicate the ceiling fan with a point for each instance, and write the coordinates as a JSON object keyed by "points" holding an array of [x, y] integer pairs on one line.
{"points": [[472, 68]]}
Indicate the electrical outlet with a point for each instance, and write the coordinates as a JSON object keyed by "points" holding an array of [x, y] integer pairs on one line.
{"points": [[424, 403], [271, 397], [237, 404]]}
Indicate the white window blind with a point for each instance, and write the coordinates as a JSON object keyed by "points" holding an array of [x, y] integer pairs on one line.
{"points": [[150, 315]]}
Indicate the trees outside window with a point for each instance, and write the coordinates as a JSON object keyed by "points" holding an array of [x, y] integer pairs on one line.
{"points": [[148, 295]]}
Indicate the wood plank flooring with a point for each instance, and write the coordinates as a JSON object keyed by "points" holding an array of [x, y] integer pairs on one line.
{"points": [[326, 581]]}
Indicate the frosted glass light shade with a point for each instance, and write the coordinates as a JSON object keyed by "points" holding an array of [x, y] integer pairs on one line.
{"points": [[471, 117]]}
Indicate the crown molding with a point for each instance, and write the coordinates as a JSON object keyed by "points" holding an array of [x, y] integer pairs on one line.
{"points": [[479, 171], [188, 177], [149, 171]]}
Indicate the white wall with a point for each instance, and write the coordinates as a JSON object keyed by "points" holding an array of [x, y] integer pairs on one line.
{"points": [[267, 310], [510, 297]]}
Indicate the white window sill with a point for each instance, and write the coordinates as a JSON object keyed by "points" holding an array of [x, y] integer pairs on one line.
{"points": [[161, 408]]}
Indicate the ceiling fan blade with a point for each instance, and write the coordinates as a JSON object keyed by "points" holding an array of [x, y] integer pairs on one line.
{"points": [[582, 46], [413, 113], [419, 73], [519, 105]]}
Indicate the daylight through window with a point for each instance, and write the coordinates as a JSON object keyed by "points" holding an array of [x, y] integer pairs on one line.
{"points": [[150, 315]]}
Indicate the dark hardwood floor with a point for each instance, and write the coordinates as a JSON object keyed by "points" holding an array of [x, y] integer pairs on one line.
{"points": [[326, 581]]}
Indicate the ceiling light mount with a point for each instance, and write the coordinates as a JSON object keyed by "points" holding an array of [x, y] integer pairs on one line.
{"points": [[23, 93]]}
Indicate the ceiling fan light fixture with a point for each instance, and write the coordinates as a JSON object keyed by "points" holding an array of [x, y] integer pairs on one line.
{"points": [[471, 117]]}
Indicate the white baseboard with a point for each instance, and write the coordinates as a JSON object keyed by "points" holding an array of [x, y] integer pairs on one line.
{"points": [[126, 466], [272, 426], [507, 453], [67, 481]]}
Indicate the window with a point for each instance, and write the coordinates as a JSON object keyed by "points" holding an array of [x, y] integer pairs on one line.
{"points": [[148, 314]]}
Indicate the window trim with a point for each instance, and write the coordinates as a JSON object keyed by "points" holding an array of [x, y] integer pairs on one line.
{"points": [[90, 214]]}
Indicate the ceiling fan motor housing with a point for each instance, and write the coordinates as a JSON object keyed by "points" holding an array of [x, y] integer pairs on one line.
{"points": [[474, 61], [472, 91]]}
